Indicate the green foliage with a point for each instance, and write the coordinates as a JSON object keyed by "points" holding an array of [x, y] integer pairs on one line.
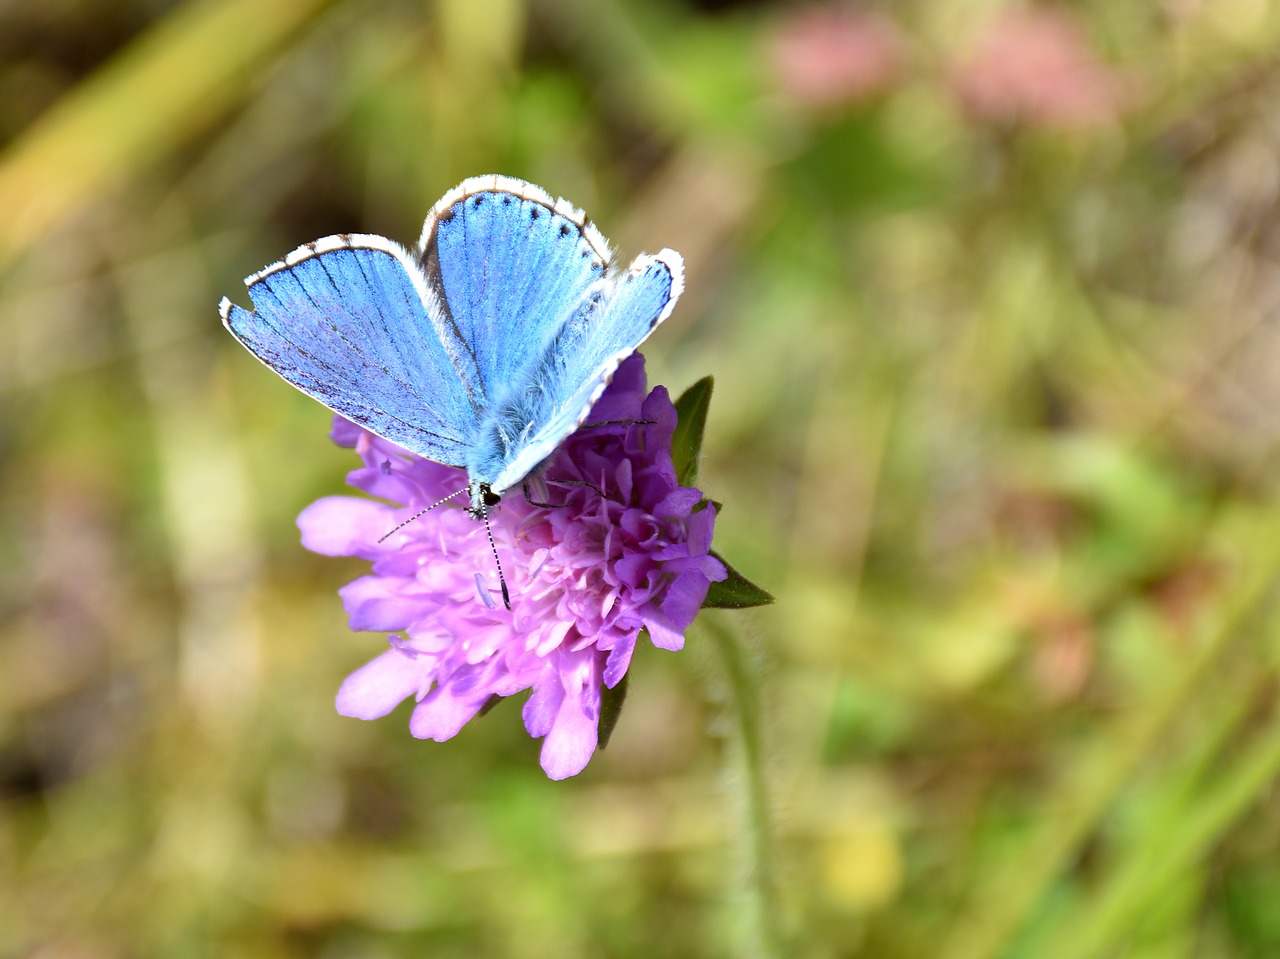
{"points": [[995, 416], [736, 592], [611, 703], [686, 443]]}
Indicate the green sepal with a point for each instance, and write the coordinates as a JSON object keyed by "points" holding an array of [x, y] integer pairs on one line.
{"points": [[611, 701], [686, 444], [735, 592]]}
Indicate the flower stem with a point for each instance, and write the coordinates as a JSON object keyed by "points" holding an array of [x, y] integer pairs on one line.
{"points": [[742, 676]]}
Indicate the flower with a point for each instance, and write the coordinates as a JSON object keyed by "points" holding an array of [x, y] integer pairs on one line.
{"points": [[826, 56], [624, 547], [1036, 66]]}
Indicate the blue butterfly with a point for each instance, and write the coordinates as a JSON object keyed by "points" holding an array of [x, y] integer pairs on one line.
{"points": [[483, 348]]}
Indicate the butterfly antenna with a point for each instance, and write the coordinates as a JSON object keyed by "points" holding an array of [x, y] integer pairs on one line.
{"points": [[422, 512], [502, 580]]}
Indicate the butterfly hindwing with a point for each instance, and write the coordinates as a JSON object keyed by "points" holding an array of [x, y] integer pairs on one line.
{"points": [[350, 321], [628, 311], [614, 319]]}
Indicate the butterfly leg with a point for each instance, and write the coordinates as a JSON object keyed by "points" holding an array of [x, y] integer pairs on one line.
{"points": [[590, 486], [528, 493], [629, 421]]}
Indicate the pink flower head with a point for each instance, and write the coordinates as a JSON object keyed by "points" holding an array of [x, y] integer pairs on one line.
{"points": [[1036, 66], [625, 548], [829, 57]]}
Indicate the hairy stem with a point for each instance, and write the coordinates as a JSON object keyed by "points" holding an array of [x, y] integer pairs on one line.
{"points": [[742, 677]]}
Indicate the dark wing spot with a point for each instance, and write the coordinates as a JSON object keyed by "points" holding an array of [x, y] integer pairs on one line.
{"points": [[447, 215], [506, 199], [533, 212], [564, 229], [585, 254], [477, 199]]}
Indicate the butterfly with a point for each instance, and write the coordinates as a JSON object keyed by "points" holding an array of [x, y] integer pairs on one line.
{"points": [[483, 348]]}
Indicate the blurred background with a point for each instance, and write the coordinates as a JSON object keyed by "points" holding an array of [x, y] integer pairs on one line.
{"points": [[990, 293]]}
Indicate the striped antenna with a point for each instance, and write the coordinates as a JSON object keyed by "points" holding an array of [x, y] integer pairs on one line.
{"points": [[423, 512], [502, 580]]}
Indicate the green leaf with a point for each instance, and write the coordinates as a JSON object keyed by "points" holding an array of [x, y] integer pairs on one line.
{"points": [[611, 701], [686, 444], [736, 592]]}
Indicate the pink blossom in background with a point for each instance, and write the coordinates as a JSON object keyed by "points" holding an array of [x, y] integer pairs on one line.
{"points": [[1036, 66], [584, 578], [829, 57]]}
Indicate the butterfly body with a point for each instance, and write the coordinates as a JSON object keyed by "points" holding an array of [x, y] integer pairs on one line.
{"points": [[483, 348]]}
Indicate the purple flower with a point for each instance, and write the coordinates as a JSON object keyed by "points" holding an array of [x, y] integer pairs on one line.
{"points": [[625, 548]]}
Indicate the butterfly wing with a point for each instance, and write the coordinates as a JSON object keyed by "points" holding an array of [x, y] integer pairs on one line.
{"points": [[484, 350], [350, 320], [610, 323], [511, 265]]}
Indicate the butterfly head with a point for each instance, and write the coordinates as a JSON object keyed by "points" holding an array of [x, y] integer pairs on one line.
{"points": [[483, 499]]}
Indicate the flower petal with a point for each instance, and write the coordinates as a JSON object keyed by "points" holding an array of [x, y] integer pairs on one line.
{"points": [[343, 526], [344, 432], [441, 715], [678, 503], [662, 632], [700, 527], [684, 598], [575, 731], [619, 659], [380, 603], [543, 705], [382, 684], [622, 400]]}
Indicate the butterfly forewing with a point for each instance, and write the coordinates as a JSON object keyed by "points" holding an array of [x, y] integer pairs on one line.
{"points": [[346, 321]]}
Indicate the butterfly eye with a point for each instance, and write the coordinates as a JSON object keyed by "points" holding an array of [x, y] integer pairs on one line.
{"points": [[490, 497]]}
